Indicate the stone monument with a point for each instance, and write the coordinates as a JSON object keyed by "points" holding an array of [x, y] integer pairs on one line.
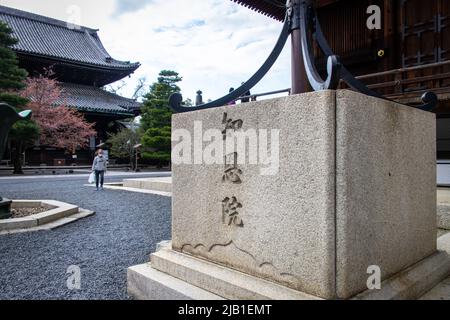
{"points": [[354, 188], [340, 198]]}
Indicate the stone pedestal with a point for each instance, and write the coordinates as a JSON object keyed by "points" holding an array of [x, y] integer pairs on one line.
{"points": [[355, 187], [5, 208]]}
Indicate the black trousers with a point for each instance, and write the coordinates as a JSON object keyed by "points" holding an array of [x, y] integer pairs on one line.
{"points": [[99, 178]]}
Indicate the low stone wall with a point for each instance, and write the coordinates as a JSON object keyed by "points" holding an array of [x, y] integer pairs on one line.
{"points": [[58, 214], [443, 216], [156, 184]]}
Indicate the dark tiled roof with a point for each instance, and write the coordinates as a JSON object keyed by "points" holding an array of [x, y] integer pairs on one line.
{"points": [[273, 8], [43, 36], [97, 100]]}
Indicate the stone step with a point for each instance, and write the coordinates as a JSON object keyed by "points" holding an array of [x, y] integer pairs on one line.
{"points": [[146, 283], [221, 281], [156, 184], [172, 275], [442, 290]]}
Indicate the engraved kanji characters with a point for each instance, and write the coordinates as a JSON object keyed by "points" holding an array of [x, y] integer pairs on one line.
{"points": [[232, 172], [230, 213], [231, 206], [230, 125]]}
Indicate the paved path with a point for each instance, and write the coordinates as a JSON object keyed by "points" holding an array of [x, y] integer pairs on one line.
{"points": [[84, 176], [123, 233]]}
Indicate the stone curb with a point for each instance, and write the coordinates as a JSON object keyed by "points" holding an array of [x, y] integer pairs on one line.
{"points": [[115, 187], [443, 216], [159, 184], [60, 214]]}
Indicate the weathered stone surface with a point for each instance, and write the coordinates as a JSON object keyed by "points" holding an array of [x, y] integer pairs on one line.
{"points": [[289, 221], [146, 283], [374, 157], [173, 276], [26, 204], [157, 184], [57, 210], [19, 223], [223, 281], [64, 211], [443, 196], [32, 226], [386, 188], [440, 292], [414, 282], [443, 216]]}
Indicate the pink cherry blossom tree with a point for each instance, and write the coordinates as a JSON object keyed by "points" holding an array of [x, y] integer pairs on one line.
{"points": [[60, 126]]}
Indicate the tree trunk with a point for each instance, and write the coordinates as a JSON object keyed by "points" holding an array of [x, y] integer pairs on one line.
{"points": [[132, 162], [17, 158]]}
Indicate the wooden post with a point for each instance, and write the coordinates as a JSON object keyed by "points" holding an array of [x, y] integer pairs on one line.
{"points": [[298, 73], [390, 42]]}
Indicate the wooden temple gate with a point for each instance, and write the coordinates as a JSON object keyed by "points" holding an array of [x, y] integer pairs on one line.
{"points": [[407, 57]]}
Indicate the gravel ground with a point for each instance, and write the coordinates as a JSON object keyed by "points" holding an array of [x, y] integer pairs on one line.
{"points": [[124, 232]]}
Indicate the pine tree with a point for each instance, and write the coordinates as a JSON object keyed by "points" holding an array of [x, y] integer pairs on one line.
{"points": [[23, 133], [157, 116], [11, 76]]}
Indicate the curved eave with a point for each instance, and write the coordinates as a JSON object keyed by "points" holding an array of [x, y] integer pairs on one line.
{"points": [[126, 67], [105, 112], [274, 9]]}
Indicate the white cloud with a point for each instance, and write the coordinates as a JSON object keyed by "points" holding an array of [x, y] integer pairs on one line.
{"points": [[213, 44]]}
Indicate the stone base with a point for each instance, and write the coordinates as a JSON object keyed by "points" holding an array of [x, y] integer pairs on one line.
{"points": [[443, 215], [176, 276], [156, 184], [5, 209], [352, 185], [146, 283], [58, 214], [172, 275]]}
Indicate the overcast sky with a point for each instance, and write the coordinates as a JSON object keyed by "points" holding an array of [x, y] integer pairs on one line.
{"points": [[213, 44]]}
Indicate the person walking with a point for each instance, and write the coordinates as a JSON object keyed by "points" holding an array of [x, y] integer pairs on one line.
{"points": [[99, 166]]}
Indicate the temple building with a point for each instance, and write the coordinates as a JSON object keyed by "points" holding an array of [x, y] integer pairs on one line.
{"points": [[408, 56], [83, 66]]}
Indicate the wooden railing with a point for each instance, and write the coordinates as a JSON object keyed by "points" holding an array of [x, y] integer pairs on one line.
{"points": [[254, 97], [405, 85], [410, 83]]}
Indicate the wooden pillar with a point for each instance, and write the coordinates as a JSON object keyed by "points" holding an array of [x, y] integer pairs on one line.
{"points": [[298, 73]]}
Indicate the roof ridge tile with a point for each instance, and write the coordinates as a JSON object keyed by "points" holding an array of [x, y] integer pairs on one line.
{"points": [[48, 37], [43, 19]]}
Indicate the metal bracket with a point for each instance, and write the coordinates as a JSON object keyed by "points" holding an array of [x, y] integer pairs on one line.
{"points": [[300, 15], [307, 18], [176, 99]]}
